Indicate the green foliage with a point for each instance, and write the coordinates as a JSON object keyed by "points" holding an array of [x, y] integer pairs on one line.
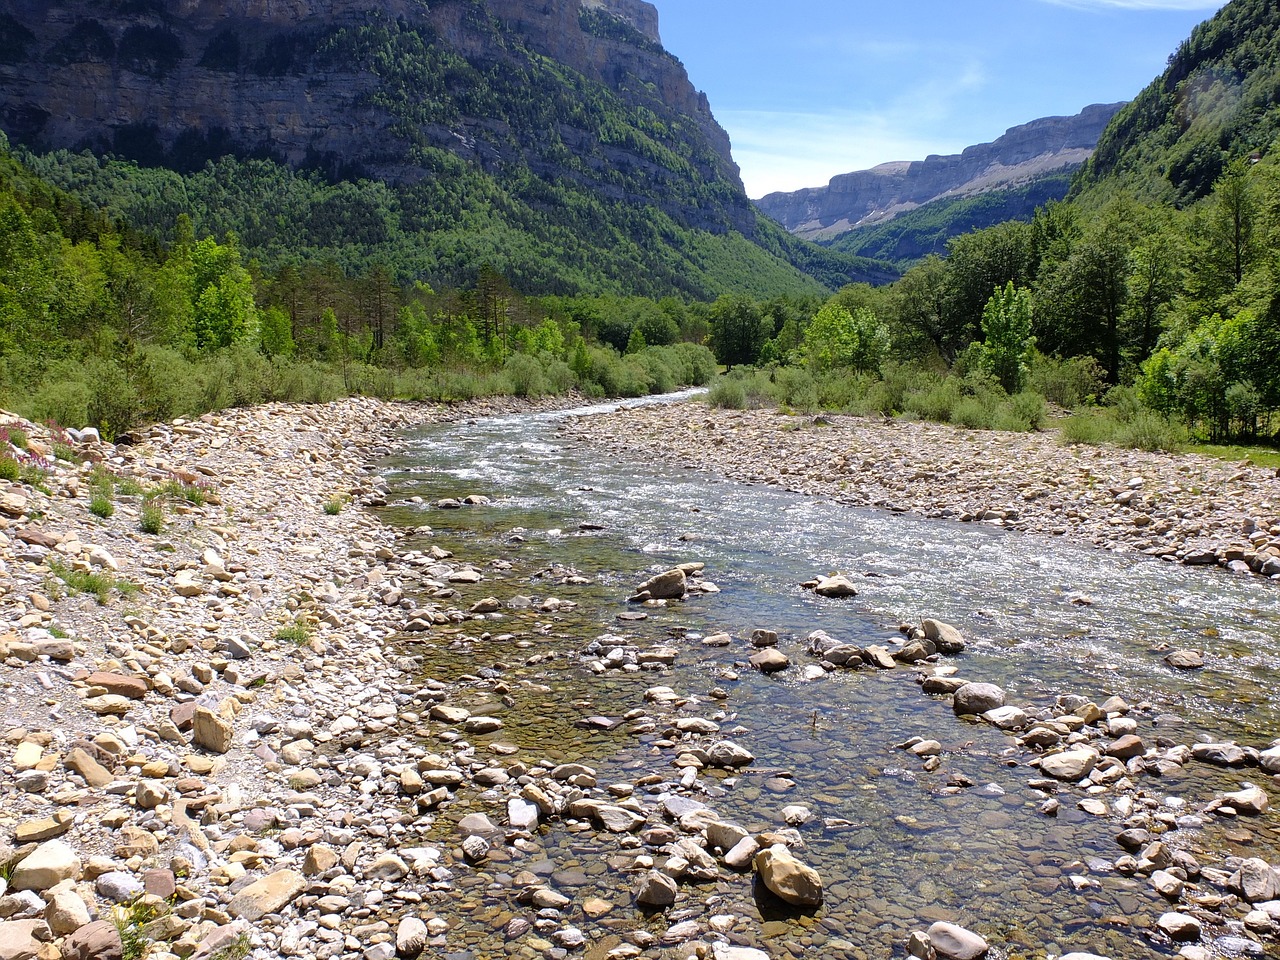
{"points": [[9, 468], [1069, 383], [333, 506], [101, 506], [1214, 104], [101, 585], [1006, 337], [837, 338], [151, 517], [297, 633]]}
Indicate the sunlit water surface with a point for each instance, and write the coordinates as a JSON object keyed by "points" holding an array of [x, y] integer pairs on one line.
{"points": [[903, 850]]}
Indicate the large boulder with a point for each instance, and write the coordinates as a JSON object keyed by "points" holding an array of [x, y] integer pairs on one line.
{"points": [[1256, 881], [836, 587], [787, 878], [1070, 765], [668, 585], [770, 661], [99, 940], [946, 638], [956, 943], [20, 939], [47, 866], [978, 698], [268, 895], [212, 732], [656, 889], [726, 753], [1251, 800]]}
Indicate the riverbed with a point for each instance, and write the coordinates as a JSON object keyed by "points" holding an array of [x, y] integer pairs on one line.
{"points": [[898, 845]]}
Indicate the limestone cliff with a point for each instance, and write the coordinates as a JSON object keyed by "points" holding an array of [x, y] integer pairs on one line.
{"points": [[562, 89], [852, 200]]}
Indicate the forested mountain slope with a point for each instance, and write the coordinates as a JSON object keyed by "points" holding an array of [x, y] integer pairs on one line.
{"points": [[1218, 100], [557, 141]]}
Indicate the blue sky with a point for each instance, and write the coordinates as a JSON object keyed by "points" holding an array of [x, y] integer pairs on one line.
{"points": [[813, 88]]}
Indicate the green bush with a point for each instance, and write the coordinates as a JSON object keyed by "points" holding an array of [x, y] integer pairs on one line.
{"points": [[9, 469], [934, 402], [1091, 426], [973, 413], [1068, 383], [101, 506], [525, 375], [151, 518], [1030, 409], [728, 395], [1151, 431]]}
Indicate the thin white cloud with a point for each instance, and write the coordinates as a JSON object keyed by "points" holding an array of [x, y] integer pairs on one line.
{"points": [[779, 150]]}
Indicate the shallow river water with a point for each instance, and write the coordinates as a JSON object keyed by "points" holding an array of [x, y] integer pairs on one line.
{"points": [[898, 847]]}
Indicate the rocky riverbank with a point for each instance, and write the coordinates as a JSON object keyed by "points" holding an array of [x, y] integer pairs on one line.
{"points": [[1184, 508], [245, 716]]}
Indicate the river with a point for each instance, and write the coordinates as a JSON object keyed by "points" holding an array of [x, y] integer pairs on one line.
{"points": [[897, 845]]}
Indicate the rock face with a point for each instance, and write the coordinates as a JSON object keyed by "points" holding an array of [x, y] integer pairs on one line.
{"points": [[1033, 149], [183, 81]]}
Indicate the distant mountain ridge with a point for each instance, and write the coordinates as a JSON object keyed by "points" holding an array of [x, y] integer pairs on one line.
{"points": [[1050, 145]]}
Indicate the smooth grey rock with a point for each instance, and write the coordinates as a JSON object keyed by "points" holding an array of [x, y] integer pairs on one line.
{"points": [[956, 943], [978, 698]]}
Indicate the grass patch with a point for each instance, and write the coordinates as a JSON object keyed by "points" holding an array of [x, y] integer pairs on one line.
{"points": [[177, 490], [1258, 456], [100, 505], [9, 469], [333, 507], [66, 453], [19, 439], [296, 633], [100, 585]]}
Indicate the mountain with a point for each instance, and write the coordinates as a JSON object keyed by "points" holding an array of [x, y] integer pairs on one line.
{"points": [[557, 139], [914, 235], [1218, 100], [1024, 154]]}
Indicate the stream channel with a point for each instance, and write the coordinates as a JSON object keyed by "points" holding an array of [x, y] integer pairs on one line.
{"points": [[898, 847]]}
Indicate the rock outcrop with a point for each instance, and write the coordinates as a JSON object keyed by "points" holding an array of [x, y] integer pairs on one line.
{"points": [[337, 85], [1048, 145]]}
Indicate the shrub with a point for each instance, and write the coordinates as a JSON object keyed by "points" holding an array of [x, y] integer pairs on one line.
{"points": [[100, 505], [973, 413], [934, 402], [297, 633], [1068, 383], [525, 375], [1029, 408], [9, 469], [151, 518], [333, 507], [1151, 431], [98, 584], [1089, 426], [728, 395]]}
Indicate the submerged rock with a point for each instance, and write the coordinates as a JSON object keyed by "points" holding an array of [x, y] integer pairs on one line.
{"points": [[956, 943]]}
